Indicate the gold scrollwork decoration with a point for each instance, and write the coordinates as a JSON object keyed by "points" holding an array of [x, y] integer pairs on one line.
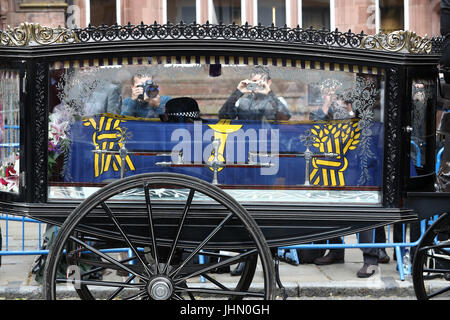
{"points": [[397, 41], [33, 33]]}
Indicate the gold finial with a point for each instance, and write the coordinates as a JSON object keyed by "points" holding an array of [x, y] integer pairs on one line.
{"points": [[33, 33], [398, 41]]}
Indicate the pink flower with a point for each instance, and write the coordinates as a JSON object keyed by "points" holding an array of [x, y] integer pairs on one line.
{"points": [[51, 146]]}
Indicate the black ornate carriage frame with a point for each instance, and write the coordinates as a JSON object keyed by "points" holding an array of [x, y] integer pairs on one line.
{"points": [[33, 48], [401, 55]]}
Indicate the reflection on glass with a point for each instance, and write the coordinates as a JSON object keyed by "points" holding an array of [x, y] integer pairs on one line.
{"points": [[247, 126], [254, 99], [391, 15], [9, 130], [272, 12], [181, 10], [316, 13], [102, 12], [226, 11], [422, 96]]}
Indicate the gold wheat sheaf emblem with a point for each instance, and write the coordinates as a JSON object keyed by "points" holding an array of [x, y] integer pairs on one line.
{"points": [[337, 138], [108, 135]]}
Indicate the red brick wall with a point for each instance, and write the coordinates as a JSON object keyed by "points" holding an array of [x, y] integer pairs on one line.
{"points": [[147, 11], [47, 13], [424, 17], [420, 16], [356, 15]]}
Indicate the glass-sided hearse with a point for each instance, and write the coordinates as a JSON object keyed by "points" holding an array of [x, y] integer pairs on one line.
{"points": [[247, 139]]}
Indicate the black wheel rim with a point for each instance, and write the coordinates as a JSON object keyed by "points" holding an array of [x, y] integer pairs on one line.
{"points": [[160, 270], [431, 266]]}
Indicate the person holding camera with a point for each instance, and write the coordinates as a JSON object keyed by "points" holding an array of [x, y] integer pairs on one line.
{"points": [[253, 99], [145, 100]]}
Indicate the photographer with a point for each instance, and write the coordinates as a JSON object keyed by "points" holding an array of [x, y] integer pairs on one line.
{"points": [[254, 100], [145, 100]]}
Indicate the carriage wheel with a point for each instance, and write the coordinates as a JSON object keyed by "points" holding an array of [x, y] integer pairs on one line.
{"points": [[162, 242], [431, 266]]}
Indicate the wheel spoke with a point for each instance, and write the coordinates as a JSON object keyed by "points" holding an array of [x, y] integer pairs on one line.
{"points": [[214, 281], [444, 290], [116, 293], [100, 283], [108, 258], [211, 254], [177, 237], [436, 270], [101, 268], [443, 251], [177, 297], [201, 245], [230, 261], [438, 247], [140, 294], [191, 295], [436, 256], [152, 229], [128, 241], [222, 292]]}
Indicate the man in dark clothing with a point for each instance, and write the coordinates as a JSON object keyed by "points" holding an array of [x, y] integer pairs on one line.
{"points": [[254, 100]]}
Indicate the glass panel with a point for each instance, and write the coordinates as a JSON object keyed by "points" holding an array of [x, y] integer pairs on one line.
{"points": [[270, 11], [422, 98], [391, 15], [103, 12], [181, 10], [226, 11], [316, 13], [264, 132], [9, 130]]}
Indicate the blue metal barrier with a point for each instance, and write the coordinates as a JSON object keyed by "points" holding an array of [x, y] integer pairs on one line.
{"points": [[23, 220], [397, 246], [39, 251], [438, 159], [403, 269]]}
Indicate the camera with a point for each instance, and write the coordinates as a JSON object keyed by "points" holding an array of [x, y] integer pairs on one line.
{"points": [[151, 89], [254, 86]]}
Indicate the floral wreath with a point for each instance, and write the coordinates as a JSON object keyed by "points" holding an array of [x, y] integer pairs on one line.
{"points": [[9, 177]]}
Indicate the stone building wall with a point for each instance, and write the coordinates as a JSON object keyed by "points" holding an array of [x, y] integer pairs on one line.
{"points": [[48, 13], [357, 15]]}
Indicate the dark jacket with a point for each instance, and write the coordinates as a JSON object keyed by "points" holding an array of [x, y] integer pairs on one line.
{"points": [[255, 106], [140, 109]]}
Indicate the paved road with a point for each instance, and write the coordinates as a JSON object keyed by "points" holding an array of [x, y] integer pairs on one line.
{"points": [[307, 281]]}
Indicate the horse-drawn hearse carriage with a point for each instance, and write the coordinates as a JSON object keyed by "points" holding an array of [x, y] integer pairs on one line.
{"points": [[220, 142]]}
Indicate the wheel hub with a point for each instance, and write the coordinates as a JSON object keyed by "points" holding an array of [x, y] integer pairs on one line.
{"points": [[160, 288]]}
